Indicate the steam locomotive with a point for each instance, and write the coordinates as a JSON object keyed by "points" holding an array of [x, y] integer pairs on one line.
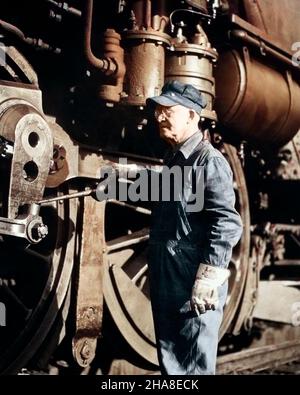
{"points": [[74, 79]]}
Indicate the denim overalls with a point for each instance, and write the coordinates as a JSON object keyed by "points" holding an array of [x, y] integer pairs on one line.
{"points": [[179, 242]]}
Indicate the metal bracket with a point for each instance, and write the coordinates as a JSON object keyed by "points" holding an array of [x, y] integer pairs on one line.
{"points": [[29, 226], [89, 292]]}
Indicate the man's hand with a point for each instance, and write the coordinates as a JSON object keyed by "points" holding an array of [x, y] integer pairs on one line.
{"points": [[205, 290]]}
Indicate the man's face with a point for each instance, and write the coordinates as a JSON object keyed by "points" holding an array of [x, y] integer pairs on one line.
{"points": [[173, 123]]}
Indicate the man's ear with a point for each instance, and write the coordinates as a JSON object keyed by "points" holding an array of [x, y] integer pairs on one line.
{"points": [[194, 116]]}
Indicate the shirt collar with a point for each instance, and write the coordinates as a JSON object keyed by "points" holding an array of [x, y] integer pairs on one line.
{"points": [[188, 146]]}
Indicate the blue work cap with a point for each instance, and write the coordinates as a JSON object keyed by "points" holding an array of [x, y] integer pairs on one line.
{"points": [[175, 92]]}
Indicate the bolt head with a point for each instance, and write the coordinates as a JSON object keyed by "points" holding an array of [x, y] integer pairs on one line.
{"points": [[42, 231]]}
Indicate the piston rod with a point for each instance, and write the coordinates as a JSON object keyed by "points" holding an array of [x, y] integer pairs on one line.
{"points": [[87, 192]]}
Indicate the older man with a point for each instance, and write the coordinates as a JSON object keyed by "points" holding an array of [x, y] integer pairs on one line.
{"points": [[189, 251]]}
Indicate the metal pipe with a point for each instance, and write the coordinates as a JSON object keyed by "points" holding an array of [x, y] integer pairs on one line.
{"points": [[74, 12], [65, 7], [106, 65], [264, 48], [294, 229], [13, 29], [88, 192], [147, 15], [35, 42]]}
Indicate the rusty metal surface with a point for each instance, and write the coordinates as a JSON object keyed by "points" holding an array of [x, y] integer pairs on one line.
{"points": [[134, 319], [264, 39], [250, 108], [141, 12], [192, 63], [89, 299], [64, 162], [259, 358], [22, 124], [287, 294], [244, 317], [145, 42], [112, 90], [19, 68], [240, 265], [288, 165], [145, 64], [105, 65], [74, 160], [15, 93], [279, 19], [112, 64]]}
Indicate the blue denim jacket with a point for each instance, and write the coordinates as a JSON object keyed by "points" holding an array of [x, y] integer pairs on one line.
{"points": [[217, 228]]}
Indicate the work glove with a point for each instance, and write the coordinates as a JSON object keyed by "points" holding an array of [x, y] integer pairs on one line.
{"points": [[205, 290]]}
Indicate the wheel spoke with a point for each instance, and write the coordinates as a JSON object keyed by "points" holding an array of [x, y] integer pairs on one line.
{"points": [[138, 209], [119, 258], [139, 274], [128, 240], [13, 297]]}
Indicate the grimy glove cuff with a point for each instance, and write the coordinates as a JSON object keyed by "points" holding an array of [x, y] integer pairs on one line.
{"points": [[205, 290], [212, 275]]}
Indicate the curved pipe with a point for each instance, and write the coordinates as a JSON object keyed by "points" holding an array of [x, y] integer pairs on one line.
{"points": [[13, 29], [35, 42], [106, 65]]}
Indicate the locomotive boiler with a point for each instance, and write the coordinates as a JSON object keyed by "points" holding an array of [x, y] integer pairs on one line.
{"points": [[74, 80]]}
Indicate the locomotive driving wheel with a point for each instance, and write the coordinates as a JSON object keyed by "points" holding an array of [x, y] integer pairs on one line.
{"points": [[239, 263], [34, 278], [34, 285]]}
